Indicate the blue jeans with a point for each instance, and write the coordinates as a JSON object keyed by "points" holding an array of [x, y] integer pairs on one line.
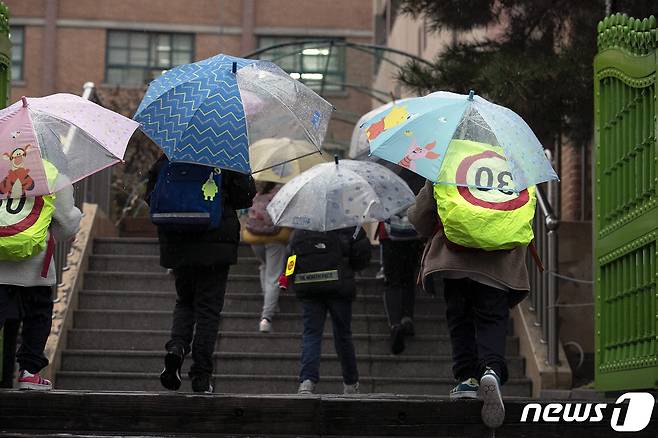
{"points": [[314, 315]]}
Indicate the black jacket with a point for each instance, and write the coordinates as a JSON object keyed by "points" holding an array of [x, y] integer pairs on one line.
{"points": [[354, 256], [214, 247]]}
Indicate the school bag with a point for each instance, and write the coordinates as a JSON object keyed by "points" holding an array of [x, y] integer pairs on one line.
{"points": [[259, 221], [487, 219], [319, 266], [24, 223], [187, 198]]}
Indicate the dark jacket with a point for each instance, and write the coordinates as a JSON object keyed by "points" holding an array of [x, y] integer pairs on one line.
{"points": [[213, 247], [354, 256]]}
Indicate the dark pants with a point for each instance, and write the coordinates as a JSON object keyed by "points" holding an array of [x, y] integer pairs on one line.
{"points": [[477, 317], [33, 306], [200, 298], [314, 316], [10, 335], [401, 261]]}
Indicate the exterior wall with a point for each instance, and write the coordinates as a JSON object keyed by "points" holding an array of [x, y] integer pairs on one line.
{"points": [[219, 26], [316, 14]]}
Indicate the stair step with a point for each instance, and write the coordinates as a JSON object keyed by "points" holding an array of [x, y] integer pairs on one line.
{"points": [[239, 321], [269, 363], [149, 281], [238, 302], [151, 263], [150, 246], [252, 342], [267, 384]]}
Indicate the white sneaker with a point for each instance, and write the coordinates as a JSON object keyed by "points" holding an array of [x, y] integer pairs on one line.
{"points": [[350, 389], [493, 409], [306, 387], [265, 326]]}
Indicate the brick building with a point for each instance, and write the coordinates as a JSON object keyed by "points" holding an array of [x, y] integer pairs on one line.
{"points": [[122, 44]]}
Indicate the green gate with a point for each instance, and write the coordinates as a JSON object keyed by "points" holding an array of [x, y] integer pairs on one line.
{"points": [[626, 210], [5, 80]]}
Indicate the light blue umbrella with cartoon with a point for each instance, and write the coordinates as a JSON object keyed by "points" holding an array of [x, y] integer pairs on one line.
{"points": [[496, 148]]}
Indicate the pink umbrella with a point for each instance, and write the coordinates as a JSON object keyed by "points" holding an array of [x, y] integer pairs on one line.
{"points": [[51, 141]]}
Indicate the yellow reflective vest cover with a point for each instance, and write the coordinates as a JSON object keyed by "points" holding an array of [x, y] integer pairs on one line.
{"points": [[24, 222], [489, 219]]}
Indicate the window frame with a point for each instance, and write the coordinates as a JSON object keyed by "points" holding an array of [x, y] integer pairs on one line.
{"points": [[21, 66], [339, 73], [152, 55]]}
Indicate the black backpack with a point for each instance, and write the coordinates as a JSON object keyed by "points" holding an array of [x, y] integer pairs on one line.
{"points": [[321, 267]]}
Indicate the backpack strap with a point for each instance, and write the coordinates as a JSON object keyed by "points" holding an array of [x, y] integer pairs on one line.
{"points": [[50, 249], [535, 256]]}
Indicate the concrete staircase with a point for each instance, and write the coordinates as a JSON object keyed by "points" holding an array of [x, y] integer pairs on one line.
{"points": [[124, 317]]}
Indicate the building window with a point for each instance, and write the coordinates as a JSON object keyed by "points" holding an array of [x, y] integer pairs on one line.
{"points": [[17, 37], [311, 65], [136, 58]]}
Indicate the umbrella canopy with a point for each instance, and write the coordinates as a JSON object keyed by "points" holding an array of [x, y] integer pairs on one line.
{"points": [[75, 136], [359, 147], [332, 196], [419, 134], [210, 111], [265, 153]]}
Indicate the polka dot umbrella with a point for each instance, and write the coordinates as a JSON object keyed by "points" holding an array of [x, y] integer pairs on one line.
{"points": [[337, 195]]}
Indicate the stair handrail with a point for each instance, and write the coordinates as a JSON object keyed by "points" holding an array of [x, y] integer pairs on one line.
{"points": [[543, 285]]}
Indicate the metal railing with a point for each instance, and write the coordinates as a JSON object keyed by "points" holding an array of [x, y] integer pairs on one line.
{"points": [[94, 189], [543, 285]]}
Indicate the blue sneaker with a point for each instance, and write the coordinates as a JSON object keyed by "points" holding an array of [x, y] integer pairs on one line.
{"points": [[493, 409], [467, 389]]}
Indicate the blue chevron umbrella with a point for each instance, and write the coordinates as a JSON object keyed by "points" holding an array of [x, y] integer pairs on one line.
{"points": [[209, 112]]}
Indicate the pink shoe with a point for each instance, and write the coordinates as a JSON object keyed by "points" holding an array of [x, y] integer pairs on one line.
{"points": [[34, 382]]}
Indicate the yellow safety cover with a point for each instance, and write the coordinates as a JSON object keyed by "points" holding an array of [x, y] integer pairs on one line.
{"points": [[485, 218], [24, 222]]}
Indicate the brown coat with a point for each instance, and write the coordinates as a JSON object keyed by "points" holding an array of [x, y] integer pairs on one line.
{"points": [[506, 267]]}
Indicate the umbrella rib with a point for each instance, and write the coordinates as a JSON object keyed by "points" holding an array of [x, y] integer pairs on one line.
{"points": [[287, 161], [286, 106]]}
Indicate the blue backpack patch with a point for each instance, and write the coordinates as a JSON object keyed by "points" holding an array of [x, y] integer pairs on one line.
{"points": [[187, 198]]}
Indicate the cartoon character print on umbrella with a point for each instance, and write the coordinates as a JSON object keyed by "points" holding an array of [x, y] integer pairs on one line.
{"points": [[416, 152], [18, 180], [395, 117]]}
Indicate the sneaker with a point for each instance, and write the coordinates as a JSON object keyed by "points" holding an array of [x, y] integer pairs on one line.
{"points": [[466, 389], [265, 325], [397, 339], [201, 383], [493, 410], [351, 389], [408, 326], [306, 387], [170, 376], [35, 382]]}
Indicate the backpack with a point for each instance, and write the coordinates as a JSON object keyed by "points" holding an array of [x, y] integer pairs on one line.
{"points": [[319, 264], [398, 227], [24, 222], [488, 219], [259, 221], [187, 198]]}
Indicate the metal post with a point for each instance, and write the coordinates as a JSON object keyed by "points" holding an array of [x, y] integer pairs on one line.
{"points": [[552, 310]]}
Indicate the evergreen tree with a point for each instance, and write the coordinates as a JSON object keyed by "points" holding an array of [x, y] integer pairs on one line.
{"points": [[537, 59]]}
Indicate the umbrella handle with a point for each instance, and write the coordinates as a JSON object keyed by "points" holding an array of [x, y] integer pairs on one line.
{"points": [[363, 218]]}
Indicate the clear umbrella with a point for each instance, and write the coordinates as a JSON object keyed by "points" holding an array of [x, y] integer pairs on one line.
{"points": [[268, 152], [66, 134], [343, 194]]}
